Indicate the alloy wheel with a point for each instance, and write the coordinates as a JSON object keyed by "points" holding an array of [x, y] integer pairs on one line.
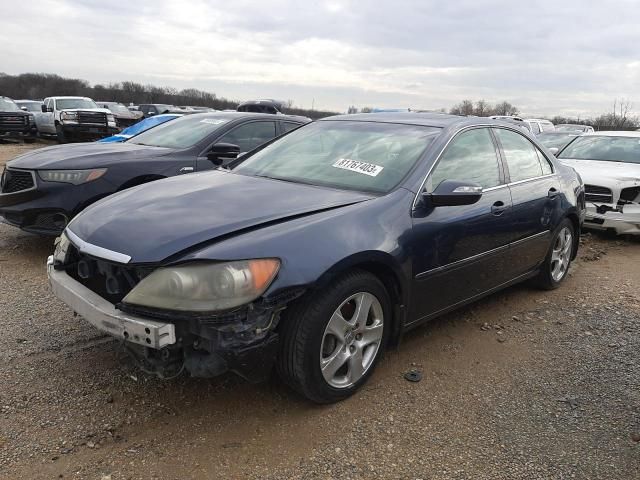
{"points": [[351, 340], [561, 254]]}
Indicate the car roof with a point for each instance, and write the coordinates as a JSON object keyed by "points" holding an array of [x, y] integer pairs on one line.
{"points": [[558, 133], [631, 134], [71, 97], [441, 120], [537, 120], [26, 100], [240, 115]]}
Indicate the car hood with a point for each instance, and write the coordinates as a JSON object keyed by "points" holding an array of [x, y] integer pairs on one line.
{"points": [[85, 155], [157, 220], [606, 174]]}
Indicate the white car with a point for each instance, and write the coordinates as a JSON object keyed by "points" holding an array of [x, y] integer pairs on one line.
{"points": [[609, 164], [538, 125]]}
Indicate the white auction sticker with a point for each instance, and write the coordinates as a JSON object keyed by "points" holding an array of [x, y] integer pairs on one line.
{"points": [[359, 167]]}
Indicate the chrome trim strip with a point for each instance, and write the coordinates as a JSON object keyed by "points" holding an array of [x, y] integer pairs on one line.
{"points": [[421, 275], [531, 237], [491, 189], [96, 251], [532, 179]]}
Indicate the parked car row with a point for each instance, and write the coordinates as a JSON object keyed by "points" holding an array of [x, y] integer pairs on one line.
{"points": [[279, 243], [16, 123], [44, 189]]}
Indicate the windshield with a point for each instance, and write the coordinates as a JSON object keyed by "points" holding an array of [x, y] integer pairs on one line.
{"points": [[63, 103], [146, 124], [182, 133], [365, 156], [8, 106], [555, 140], [117, 108], [31, 106], [607, 149]]}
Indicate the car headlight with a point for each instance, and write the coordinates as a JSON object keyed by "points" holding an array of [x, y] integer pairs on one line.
{"points": [[75, 177], [67, 116], [111, 118], [205, 287], [62, 248]]}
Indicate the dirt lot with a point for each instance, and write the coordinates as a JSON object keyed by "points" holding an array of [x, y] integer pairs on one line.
{"points": [[523, 385]]}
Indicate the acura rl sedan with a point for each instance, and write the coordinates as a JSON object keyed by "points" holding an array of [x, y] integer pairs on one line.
{"points": [[318, 250], [40, 191]]}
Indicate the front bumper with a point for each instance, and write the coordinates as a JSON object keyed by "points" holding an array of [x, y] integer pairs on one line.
{"points": [[204, 349], [88, 130], [625, 222], [47, 207], [105, 317], [19, 134]]}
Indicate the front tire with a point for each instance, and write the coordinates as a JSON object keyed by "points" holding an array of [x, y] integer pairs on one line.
{"points": [[558, 260], [61, 136], [332, 340]]}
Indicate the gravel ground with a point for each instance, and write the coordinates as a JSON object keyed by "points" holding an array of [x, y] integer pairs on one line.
{"points": [[522, 385]]}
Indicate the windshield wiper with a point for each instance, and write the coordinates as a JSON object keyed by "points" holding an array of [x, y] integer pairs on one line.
{"points": [[278, 178]]}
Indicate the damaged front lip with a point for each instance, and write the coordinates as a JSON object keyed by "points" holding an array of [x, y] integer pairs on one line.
{"points": [[624, 219]]}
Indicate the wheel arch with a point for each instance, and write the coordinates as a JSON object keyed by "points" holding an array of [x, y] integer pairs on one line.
{"points": [[384, 267], [139, 180], [575, 220]]}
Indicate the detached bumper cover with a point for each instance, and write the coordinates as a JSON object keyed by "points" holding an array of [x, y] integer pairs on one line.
{"points": [[625, 222], [105, 317]]}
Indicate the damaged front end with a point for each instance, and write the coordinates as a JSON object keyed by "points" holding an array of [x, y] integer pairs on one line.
{"points": [[244, 342], [614, 208], [162, 314]]}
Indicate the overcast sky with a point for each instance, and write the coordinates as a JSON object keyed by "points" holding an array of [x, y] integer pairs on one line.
{"points": [[547, 57]]}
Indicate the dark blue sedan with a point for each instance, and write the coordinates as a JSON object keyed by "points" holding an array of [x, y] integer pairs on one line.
{"points": [[321, 248]]}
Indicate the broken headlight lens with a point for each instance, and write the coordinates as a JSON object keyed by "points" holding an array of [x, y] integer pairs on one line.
{"points": [[76, 177], [205, 287], [62, 249]]}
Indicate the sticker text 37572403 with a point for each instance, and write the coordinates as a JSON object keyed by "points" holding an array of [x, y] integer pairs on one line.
{"points": [[358, 166]]}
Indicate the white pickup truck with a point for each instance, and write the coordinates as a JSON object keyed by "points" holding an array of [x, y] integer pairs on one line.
{"points": [[74, 118]]}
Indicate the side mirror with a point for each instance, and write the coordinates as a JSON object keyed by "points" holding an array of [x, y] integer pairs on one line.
{"points": [[24, 109], [452, 193], [223, 151], [43, 108], [554, 150]]}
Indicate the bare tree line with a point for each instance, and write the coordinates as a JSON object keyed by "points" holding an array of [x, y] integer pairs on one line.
{"points": [[38, 86]]}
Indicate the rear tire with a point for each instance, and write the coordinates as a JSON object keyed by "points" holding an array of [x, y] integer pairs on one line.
{"points": [[332, 340], [558, 260]]}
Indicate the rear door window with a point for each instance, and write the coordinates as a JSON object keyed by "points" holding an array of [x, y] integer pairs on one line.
{"points": [[520, 155], [288, 126]]}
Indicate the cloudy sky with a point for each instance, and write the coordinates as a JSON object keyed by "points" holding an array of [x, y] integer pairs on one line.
{"points": [[547, 57]]}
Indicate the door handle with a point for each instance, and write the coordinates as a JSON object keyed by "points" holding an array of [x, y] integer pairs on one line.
{"points": [[553, 193], [186, 170], [498, 208]]}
